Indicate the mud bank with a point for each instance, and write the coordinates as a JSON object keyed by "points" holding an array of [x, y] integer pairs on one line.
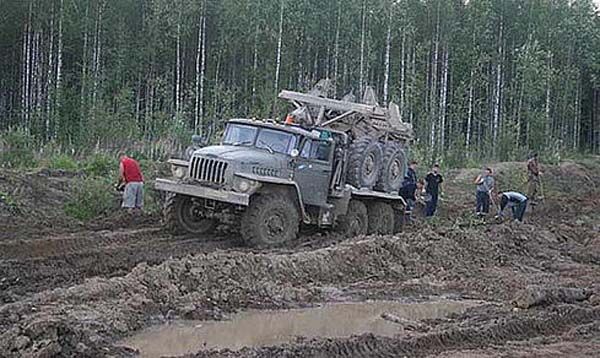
{"points": [[457, 262]]}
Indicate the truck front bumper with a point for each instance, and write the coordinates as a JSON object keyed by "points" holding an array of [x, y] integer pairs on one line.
{"points": [[198, 191]]}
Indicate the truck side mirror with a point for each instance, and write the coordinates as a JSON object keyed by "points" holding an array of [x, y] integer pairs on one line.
{"points": [[294, 153], [197, 140]]}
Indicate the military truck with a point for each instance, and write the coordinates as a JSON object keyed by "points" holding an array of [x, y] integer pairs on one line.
{"points": [[332, 164]]}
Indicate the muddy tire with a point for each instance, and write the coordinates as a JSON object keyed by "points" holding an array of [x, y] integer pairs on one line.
{"points": [[181, 216], [271, 220], [355, 222], [393, 168], [381, 218], [364, 163]]}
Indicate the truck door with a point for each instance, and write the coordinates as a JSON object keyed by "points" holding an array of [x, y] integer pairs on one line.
{"points": [[313, 170]]}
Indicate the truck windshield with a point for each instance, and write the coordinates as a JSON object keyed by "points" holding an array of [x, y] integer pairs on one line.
{"points": [[276, 141], [238, 134]]}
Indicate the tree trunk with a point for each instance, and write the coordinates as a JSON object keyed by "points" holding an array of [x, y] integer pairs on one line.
{"points": [[403, 62], [279, 44], [337, 46], [388, 46], [49, 79], [362, 47], [254, 67], [59, 55], [443, 101], [497, 92], [469, 116], [178, 71]]}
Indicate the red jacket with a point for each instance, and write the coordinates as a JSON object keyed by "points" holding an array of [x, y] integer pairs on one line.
{"points": [[130, 171]]}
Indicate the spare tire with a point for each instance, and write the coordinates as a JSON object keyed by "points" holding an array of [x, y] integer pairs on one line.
{"points": [[364, 163], [393, 169]]}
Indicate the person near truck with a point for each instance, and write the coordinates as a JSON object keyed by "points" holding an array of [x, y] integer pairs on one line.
{"points": [[433, 181], [409, 187], [516, 201], [485, 186], [533, 177], [130, 176]]}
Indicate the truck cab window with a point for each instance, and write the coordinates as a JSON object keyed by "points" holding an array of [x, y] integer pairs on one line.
{"points": [[316, 149]]}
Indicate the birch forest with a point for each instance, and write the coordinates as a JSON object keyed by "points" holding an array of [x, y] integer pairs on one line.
{"points": [[478, 79]]}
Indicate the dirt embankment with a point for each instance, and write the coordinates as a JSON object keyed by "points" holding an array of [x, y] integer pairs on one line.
{"points": [[53, 305]]}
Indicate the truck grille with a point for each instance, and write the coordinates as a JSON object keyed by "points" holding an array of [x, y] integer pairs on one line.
{"points": [[208, 170]]}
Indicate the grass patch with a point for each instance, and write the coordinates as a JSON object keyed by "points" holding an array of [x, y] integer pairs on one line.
{"points": [[91, 198], [8, 202], [63, 162], [100, 165], [16, 150]]}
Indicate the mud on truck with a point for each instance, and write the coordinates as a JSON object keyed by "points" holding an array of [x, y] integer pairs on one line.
{"points": [[332, 164]]}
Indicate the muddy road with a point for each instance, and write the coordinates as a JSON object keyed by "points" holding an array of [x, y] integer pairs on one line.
{"points": [[97, 289]]}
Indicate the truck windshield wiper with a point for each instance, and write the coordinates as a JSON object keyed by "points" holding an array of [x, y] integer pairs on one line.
{"points": [[267, 146], [245, 142]]}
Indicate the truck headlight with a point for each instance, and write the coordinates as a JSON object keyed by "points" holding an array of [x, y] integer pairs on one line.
{"points": [[178, 171], [243, 185]]}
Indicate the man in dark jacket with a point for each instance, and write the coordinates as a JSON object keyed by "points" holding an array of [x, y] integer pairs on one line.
{"points": [[409, 186], [516, 201], [433, 181]]}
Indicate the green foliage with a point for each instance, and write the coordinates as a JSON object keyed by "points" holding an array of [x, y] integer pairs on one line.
{"points": [[530, 66], [16, 149], [63, 162], [7, 201], [91, 198], [100, 165]]}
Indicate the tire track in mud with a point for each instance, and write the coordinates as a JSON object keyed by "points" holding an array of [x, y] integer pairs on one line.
{"points": [[32, 266]]}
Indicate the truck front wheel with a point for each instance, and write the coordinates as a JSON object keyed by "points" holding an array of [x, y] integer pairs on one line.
{"points": [[271, 220], [183, 215]]}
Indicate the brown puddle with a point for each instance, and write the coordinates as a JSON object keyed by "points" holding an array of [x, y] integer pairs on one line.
{"points": [[260, 328]]}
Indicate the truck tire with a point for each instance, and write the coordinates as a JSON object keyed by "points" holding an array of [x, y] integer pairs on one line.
{"points": [[399, 217], [381, 218], [364, 163], [393, 168], [271, 220], [355, 222], [182, 216]]}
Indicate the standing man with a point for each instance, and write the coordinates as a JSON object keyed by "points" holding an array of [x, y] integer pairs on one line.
{"points": [[433, 180], [409, 186], [533, 177], [131, 176], [516, 201], [485, 185]]}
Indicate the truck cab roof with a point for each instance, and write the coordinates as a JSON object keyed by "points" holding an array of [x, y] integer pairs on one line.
{"points": [[290, 128]]}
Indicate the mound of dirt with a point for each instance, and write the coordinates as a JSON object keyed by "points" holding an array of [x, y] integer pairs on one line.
{"points": [[466, 262]]}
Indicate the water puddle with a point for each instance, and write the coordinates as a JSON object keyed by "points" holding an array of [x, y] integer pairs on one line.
{"points": [[262, 328]]}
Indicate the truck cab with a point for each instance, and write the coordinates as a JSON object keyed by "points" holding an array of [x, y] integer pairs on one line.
{"points": [[293, 174]]}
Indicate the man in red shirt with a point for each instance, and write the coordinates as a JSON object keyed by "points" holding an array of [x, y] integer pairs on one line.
{"points": [[130, 174]]}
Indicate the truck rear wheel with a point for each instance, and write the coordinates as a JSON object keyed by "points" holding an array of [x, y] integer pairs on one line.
{"points": [[381, 218], [183, 215], [364, 163], [271, 220], [355, 221], [394, 168]]}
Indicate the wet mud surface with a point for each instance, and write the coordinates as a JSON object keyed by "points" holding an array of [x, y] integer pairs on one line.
{"points": [[267, 328], [76, 290]]}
